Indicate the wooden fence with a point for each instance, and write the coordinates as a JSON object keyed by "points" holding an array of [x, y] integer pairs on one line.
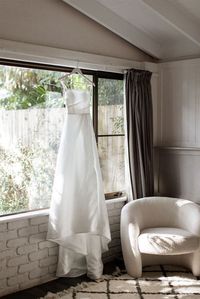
{"points": [[42, 127]]}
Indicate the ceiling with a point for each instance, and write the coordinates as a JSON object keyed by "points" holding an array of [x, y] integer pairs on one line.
{"points": [[165, 29]]}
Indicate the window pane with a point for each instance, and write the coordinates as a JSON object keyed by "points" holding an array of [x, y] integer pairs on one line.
{"points": [[32, 113], [31, 118], [111, 152], [110, 107]]}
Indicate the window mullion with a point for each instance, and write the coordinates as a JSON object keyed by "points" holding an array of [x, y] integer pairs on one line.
{"points": [[95, 105]]}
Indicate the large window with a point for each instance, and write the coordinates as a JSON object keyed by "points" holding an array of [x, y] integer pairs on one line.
{"points": [[32, 112]]}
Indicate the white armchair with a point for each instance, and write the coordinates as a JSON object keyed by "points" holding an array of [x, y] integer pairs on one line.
{"points": [[160, 230]]}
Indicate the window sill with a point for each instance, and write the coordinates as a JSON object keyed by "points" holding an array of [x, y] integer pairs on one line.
{"points": [[116, 200], [45, 212], [25, 215]]}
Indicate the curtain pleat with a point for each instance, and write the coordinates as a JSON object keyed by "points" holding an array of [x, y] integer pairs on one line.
{"points": [[139, 132]]}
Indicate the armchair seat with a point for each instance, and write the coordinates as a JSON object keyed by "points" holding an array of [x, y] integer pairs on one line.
{"points": [[167, 241]]}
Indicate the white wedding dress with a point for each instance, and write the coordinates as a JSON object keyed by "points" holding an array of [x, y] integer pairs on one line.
{"points": [[78, 219]]}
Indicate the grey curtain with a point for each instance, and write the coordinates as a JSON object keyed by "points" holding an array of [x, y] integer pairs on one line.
{"points": [[139, 122]]}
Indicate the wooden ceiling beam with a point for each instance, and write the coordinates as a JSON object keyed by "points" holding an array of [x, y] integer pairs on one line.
{"points": [[104, 16]]}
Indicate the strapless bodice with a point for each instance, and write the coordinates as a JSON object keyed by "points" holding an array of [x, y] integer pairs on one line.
{"points": [[77, 101]]}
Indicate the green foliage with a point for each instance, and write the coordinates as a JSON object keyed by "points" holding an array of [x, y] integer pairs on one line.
{"points": [[118, 123], [27, 88], [15, 172], [26, 178], [110, 92]]}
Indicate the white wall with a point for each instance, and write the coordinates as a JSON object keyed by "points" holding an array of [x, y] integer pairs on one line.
{"points": [[53, 23], [179, 130]]}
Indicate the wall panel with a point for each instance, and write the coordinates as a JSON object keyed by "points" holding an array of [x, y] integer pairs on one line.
{"points": [[179, 173], [180, 101], [178, 146]]}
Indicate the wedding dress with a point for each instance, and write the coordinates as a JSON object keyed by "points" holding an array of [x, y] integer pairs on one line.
{"points": [[78, 219]]}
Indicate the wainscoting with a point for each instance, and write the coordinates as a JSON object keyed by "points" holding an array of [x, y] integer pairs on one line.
{"points": [[179, 173]]}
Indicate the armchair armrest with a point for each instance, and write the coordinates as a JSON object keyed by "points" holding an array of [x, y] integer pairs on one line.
{"points": [[189, 217], [129, 240]]}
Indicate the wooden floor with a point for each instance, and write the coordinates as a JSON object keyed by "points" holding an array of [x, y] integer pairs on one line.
{"points": [[60, 284]]}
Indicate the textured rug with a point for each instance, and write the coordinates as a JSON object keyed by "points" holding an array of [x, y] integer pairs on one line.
{"points": [[157, 282]]}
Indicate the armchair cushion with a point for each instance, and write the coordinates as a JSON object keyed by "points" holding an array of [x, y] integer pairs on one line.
{"points": [[167, 241]]}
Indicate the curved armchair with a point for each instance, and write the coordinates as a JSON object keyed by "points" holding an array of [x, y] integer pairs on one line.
{"points": [[160, 230]]}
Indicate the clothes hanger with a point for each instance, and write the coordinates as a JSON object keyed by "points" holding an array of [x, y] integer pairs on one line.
{"points": [[79, 72]]}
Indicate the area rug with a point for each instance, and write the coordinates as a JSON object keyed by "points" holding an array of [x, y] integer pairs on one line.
{"points": [[158, 282]]}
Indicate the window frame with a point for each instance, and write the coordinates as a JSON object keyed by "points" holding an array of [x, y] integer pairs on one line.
{"points": [[96, 75], [112, 76]]}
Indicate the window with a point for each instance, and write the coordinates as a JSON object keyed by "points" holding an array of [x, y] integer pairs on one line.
{"points": [[32, 113], [110, 136]]}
